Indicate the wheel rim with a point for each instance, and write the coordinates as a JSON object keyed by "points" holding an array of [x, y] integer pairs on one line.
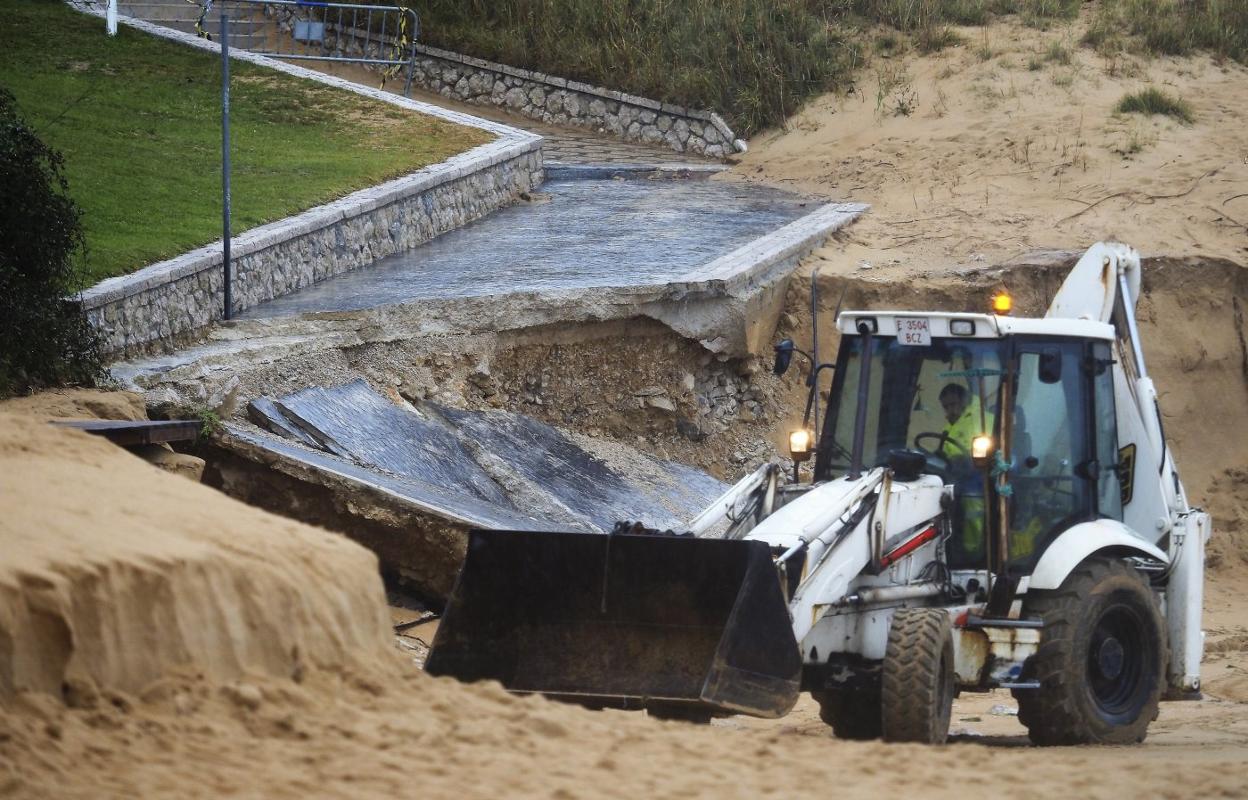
{"points": [[1117, 663]]}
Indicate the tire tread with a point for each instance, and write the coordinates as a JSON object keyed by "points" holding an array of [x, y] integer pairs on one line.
{"points": [[1051, 713], [910, 682]]}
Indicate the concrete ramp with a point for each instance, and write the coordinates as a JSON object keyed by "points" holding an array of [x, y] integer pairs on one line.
{"points": [[410, 481], [355, 422]]}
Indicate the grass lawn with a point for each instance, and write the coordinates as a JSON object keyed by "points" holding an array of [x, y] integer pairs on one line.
{"points": [[138, 120]]}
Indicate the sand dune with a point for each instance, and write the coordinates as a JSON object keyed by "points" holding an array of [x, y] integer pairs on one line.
{"points": [[1003, 151]]}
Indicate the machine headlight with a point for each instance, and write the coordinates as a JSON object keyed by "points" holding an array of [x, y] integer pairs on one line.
{"points": [[981, 449], [799, 444], [962, 327]]}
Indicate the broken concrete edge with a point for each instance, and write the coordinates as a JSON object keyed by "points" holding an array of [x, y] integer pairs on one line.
{"points": [[389, 524], [802, 235], [733, 318], [555, 82], [237, 437], [511, 144], [729, 306], [731, 309]]}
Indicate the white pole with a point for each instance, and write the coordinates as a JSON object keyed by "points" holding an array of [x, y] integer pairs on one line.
{"points": [[112, 17]]}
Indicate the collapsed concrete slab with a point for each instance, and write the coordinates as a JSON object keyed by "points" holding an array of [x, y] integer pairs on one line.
{"points": [[410, 481]]}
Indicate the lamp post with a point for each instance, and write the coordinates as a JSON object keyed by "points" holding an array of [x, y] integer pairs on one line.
{"points": [[225, 160]]}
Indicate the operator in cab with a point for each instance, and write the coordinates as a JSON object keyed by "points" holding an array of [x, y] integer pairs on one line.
{"points": [[965, 422]]}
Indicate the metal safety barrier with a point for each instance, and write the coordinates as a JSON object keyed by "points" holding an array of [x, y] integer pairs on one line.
{"points": [[308, 30]]}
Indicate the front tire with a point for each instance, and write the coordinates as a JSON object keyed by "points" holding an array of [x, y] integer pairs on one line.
{"points": [[1101, 662], [918, 678]]}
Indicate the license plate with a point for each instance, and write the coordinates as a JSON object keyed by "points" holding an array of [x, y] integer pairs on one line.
{"points": [[914, 330]]}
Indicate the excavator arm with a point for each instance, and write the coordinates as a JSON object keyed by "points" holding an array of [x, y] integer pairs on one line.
{"points": [[1105, 286]]}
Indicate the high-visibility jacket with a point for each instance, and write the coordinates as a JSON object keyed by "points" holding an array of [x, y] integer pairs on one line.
{"points": [[960, 432], [957, 447]]}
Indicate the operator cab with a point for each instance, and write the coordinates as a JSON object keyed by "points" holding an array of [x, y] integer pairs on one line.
{"points": [[1016, 416]]}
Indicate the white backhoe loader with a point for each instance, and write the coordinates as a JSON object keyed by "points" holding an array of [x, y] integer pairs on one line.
{"points": [[993, 505]]}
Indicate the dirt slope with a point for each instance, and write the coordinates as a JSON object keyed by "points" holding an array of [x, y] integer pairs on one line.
{"points": [[1003, 148]]}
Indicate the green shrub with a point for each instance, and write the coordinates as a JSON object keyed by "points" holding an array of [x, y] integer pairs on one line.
{"points": [[1058, 53], [44, 338], [965, 12], [904, 15], [1177, 27], [935, 38], [1039, 13], [1155, 101]]}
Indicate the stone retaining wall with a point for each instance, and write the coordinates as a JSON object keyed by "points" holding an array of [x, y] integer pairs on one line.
{"points": [[548, 98], [562, 102], [163, 304]]}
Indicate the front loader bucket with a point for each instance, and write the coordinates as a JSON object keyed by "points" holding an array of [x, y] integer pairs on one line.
{"points": [[626, 620]]}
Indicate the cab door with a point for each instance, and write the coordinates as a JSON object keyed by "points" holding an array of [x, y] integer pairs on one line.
{"points": [[1050, 467]]}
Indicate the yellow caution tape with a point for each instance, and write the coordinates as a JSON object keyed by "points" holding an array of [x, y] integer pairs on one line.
{"points": [[204, 8], [400, 46]]}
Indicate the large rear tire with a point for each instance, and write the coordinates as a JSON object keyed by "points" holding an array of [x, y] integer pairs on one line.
{"points": [[918, 676], [1101, 662], [852, 713]]}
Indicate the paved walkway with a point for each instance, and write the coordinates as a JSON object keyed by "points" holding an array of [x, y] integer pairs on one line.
{"points": [[575, 234]]}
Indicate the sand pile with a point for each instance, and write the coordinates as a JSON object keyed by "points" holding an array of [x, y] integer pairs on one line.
{"points": [[115, 573], [78, 404]]}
